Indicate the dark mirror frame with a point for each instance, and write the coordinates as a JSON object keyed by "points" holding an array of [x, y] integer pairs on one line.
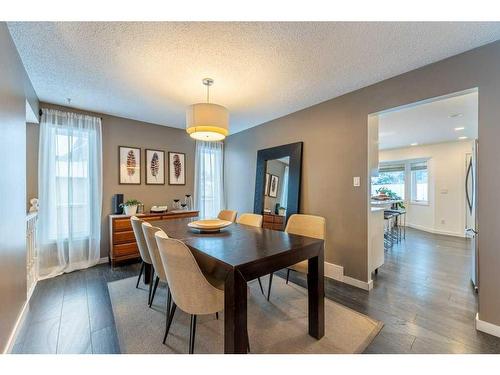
{"points": [[294, 151]]}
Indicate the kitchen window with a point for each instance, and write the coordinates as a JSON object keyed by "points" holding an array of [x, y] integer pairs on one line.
{"points": [[419, 178], [392, 177]]}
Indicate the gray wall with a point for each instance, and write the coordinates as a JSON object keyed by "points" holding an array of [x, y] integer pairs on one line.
{"points": [[15, 88], [335, 136], [116, 132]]}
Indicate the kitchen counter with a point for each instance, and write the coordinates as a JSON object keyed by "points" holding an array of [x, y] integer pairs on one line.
{"points": [[388, 202]]}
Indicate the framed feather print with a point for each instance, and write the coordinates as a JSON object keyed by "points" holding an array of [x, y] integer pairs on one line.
{"points": [[273, 186], [266, 188], [130, 165], [176, 168], [155, 167]]}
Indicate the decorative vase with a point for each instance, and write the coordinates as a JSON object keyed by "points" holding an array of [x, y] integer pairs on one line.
{"points": [[130, 210]]}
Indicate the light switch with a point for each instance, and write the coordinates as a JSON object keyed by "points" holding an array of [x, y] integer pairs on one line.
{"points": [[356, 181]]}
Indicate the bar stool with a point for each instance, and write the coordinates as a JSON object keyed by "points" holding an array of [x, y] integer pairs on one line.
{"points": [[388, 225], [400, 219]]}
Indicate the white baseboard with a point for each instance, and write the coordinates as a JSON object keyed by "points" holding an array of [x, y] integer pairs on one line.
{"points": [[486, 327], [19, 322], [435, 231], [336, 272]]}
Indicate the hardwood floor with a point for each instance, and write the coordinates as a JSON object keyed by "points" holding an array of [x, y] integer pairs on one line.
{"points": [[422, 294]]}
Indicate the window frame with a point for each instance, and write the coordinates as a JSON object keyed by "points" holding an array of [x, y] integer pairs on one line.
{"points": [[413, 184], [408, 188]]}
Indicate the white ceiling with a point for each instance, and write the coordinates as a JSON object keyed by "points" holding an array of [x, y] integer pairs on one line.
{"points": [[152, 71], [430, 122]]}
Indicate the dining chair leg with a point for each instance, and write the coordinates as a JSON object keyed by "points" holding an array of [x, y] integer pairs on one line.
{"points": [[192, 332], [154, 290], [151, 278], [140, 273], [287, 274], [169, 321], [217, 315], [260, 284], [169, 301], [269, 287]]}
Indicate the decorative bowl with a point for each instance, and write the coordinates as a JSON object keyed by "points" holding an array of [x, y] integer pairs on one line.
{"points": [[210, 225]]}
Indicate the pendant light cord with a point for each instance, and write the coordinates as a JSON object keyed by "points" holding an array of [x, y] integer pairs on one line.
{"points": [[208, 93]]}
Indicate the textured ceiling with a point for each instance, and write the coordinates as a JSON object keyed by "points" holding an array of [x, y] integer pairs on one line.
{"points": [[430, 122], [152, 71]]}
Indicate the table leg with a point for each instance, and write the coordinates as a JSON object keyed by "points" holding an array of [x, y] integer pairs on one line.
{"points": [[316, 296], [147, 273], [235, 314]]}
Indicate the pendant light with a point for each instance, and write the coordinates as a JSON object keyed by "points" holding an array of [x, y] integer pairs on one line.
{"points": [[207, 121]]}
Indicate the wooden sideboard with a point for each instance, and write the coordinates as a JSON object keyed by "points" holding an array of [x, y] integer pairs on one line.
{"points": [[272, 221], [122, 244]]}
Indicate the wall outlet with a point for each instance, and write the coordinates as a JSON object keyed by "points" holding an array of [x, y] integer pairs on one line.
{"points": [[356, 181]]}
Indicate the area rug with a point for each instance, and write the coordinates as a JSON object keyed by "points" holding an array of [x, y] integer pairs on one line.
{"points": [[275, 326]]}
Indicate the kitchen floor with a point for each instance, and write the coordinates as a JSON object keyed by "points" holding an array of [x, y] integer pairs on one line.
{"points": [[422, 294]]}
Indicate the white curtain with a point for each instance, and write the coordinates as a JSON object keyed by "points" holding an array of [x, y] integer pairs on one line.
{"points": [[70, 192], [209, 178]]}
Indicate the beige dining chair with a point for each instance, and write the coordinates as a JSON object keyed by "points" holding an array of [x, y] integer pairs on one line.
{"points": [[229, 215], [254, 220], [149, 235], [143, 251], [303, 225], [189, 288]]}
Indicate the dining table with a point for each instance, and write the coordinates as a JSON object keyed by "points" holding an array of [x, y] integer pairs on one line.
{"points": [[239, 254]]}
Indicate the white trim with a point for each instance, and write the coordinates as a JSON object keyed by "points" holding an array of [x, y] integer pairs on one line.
{"points": [[490, 328], [435, 231], [19, 322], [358, 283], [336, 272]]}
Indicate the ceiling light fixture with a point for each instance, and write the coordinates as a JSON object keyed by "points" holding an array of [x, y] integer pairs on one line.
{"points": [[207, 121], [454, 115], [463, 137], [459, 128], [414, 144]]}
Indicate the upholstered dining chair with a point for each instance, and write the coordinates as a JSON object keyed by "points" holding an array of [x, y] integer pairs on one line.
{"points": [[149, 236], [303, 225], [143, 251], [189, 288], [228, 215], [254, 220]]}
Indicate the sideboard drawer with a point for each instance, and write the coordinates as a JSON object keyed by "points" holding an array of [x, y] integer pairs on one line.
{"points": [[125, 249], [122, 225], [123, 237]]}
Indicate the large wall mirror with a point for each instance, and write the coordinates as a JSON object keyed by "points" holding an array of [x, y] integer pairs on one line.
{"points": [[277, 183]]}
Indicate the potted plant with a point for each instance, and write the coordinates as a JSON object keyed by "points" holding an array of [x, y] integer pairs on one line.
{"points": [[130, 206]]}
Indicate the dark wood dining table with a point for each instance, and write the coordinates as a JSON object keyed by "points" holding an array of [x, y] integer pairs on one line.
{"points": [[241, 253]]}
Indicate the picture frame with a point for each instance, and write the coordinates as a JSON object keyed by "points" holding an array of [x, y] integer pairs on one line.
{"points": [[273, 186], [176, 168], [154, 167], [129, 165], [266, 186]]}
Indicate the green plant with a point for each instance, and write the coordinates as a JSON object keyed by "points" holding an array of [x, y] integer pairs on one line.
{"points": [[130, 202], [392, 195]]}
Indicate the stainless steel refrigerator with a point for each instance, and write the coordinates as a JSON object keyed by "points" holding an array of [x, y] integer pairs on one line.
{"points": [[471, 230]]}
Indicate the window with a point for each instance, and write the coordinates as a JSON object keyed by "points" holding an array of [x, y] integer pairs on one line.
{"points": [[419, 178], [392, 177], [209, 193], [72, 185]]}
